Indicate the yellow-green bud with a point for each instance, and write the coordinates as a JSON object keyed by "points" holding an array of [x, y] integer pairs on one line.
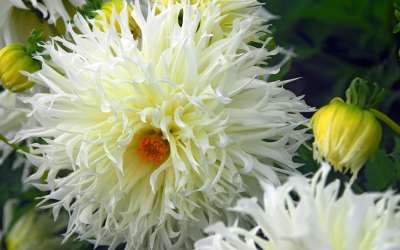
{"points": [[345, 135], [13, 60], [117, 6]]}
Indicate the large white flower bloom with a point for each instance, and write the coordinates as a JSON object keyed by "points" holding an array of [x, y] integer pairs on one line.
{"points": [[17, 17], [147, 141], [309, 214]]}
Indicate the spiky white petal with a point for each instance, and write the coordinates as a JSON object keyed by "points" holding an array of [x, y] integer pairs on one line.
{"points": [[310, 214], [5, 12], [229, 12], [225, 125]]}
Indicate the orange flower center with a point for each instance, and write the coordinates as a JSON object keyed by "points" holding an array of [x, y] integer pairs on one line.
{"points": [[153, 148]]}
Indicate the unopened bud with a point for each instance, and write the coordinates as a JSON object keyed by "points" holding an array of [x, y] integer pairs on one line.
{"points": [[346, 135], [14, 59]]}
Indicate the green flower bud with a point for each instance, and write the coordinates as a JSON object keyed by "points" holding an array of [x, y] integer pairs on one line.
{"points": [[346, 135], [13, 60]]}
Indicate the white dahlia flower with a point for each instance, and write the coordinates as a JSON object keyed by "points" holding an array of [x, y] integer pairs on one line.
{"points": [[18, 18], [146, 142], [310, 214]]}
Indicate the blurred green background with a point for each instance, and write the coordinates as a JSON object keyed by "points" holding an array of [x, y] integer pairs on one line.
{"points": [[335, 41]]}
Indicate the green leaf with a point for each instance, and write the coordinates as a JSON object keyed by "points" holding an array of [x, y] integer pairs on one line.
{"points": [[80, 245], [396, 28], [396, 152], [383, 170], [10, 180], [305, 157], [379, 172]]}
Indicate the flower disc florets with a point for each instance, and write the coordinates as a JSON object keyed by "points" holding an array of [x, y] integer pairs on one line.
{"points": [[146, 140]]}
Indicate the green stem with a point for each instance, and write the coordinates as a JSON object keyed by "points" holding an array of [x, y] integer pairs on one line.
{"points": [[14, 146], [387, 120]]}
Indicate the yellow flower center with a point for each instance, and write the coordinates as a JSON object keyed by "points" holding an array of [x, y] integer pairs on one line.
{"points": [[153, 148]]}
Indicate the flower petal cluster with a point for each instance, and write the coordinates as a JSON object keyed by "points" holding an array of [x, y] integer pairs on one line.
{"points": [[229, 12], [115, 6], [18, 18], [146, 141], [51, 10], [309, 214]]}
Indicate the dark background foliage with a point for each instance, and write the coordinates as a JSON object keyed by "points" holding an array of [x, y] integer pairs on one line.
{"points": [[335, 41]]}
